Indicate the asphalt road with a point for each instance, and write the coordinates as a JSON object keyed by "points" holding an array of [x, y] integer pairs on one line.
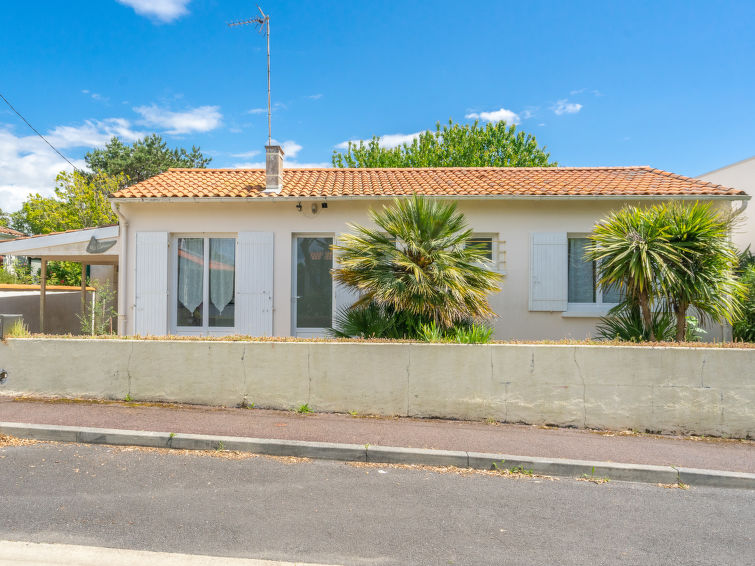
{"points": [[336, 513]]}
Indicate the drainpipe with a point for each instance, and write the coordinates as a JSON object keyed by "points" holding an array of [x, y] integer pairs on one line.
{"points": [[122, 262]]}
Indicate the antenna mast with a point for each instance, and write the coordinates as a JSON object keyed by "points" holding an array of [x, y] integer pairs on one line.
{"points": [[264, 23]]}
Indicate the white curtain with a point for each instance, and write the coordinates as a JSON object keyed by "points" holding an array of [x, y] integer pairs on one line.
{"points": [[222, 272], [190, 272]]}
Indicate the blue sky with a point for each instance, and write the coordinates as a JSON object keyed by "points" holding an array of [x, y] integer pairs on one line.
{"points": [[667, 84]]}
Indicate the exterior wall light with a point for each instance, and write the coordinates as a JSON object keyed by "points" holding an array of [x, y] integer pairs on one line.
{"points": [[298, 207], [3, 376]]}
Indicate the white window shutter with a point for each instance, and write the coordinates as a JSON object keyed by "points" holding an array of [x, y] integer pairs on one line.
{"points": [[254, 283], [344, 296], [151, 291], [549, 284]]}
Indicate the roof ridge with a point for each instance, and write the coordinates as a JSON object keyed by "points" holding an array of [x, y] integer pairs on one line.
{"points": [[454, 168]]}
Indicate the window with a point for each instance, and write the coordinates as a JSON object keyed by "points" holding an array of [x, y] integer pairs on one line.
{"points": [[583, 276], [483, 243], [205, 283]]}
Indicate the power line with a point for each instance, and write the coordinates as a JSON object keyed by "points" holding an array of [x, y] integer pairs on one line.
{"points": [[36, 132]]}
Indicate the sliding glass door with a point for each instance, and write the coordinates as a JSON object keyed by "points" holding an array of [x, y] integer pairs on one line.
{"points": [[312, 285]]}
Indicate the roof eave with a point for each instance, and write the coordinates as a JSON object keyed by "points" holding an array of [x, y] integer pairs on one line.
{"points": [[452, 197]]}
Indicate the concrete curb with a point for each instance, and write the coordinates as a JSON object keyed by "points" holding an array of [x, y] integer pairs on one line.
{"points": [[383, 454]]}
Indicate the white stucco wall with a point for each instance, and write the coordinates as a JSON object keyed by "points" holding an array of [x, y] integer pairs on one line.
{"points": [[740, 175], [513, 221], [691, 390]]}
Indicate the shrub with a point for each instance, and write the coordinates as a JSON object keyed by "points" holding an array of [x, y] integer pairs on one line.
{"points": [[98, 314], [744, 327]]}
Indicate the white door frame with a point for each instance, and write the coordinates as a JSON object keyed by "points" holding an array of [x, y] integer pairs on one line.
{"points": [[309, 332], [206, 329]]}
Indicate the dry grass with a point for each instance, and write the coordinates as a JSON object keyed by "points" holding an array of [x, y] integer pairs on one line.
{"points": [[673, 485], [223, 454], [6, 440], [449, 470], [287, 339], [594, 480]]}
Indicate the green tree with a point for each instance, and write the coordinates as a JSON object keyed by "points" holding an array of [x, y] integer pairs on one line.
{"points": [[418, 261], [5, 218], [453, 145], [80, 201], [144, 159]]}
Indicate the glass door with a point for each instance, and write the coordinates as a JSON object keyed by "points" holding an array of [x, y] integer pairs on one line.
{"points": [[205, 285], [313, 285]]}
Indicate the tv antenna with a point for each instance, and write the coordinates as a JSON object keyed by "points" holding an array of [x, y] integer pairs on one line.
{"points": [[263, 23]]}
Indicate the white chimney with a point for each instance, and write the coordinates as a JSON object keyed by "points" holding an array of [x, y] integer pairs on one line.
{"points": [[273, 168]]}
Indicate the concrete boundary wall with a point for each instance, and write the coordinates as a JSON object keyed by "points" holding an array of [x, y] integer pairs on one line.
{"points": [[709, 391]]}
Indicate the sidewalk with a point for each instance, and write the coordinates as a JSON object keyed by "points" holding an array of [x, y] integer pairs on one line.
{"points": [[522, 440]]}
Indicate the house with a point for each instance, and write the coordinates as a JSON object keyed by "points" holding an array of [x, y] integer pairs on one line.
{"points": [[742, 176], [247, 251], [6, 233]]}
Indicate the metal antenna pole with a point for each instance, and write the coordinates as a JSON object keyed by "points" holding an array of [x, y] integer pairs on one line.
{"points": [[269, 107], [263, 21]]}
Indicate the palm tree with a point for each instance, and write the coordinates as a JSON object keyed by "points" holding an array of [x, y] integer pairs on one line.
{"points": [[669, 257], [632, 251], [705, 279], [418, 261]]}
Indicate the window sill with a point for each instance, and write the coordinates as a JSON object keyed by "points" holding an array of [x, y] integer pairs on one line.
{"points": [[594, 313]]}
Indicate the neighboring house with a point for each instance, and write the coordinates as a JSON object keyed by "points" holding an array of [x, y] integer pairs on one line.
{"points": [[740, 175], [239, 251], [6, 261]]}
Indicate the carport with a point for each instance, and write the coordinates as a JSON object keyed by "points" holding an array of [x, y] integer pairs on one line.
{"points": [[89, 247]]}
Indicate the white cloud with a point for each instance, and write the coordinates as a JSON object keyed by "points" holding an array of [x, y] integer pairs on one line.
{"points": [[27, 165], [162, 10], [507, 116], [257, 111], [290, 148], [317, 96], [246, 154], [93, 133], [594, 92], [563, 106], [388, 141], [201, 119], [286, 165]]}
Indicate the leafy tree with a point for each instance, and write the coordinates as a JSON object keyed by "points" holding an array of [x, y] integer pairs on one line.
{"points": [[453, 145], [64, 273], [5, 219], [144, 159], [417, 261], [80, 201]]}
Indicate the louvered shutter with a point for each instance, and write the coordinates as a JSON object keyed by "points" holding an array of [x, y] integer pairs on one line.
{"points": [[151, 290], [254, 283], [549, 258]]}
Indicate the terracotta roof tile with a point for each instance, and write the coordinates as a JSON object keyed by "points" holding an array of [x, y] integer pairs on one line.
{"points": [[447, 182], [11, 231]]}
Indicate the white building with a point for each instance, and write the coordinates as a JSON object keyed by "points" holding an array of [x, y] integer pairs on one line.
{"points": [[239, 251]]}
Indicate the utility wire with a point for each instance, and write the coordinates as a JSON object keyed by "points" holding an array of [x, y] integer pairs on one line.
{"points": [[36, 132]]}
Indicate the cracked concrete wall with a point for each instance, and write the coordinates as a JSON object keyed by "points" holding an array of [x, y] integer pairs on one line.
{"points": [[708, 391]]}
